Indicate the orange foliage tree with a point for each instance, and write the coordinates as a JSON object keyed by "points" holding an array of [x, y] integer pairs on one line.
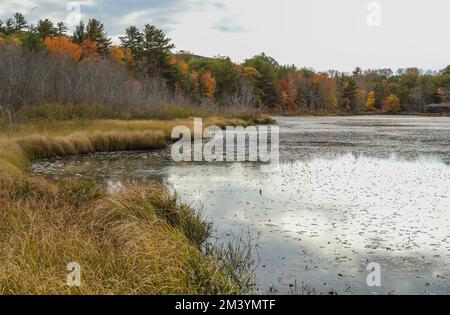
{"points": [[208, 84], [325, 87], [90, 49], [288, 93], [63, 46], [120, 55]]}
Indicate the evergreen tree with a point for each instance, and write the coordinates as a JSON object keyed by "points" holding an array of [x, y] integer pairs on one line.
{"points": [[61, 29], [31, 41], [95, 31], [79, 34], [133, 40], [156, 51], [267, 82], [20, 23], [45, 28], [348, 90], [226, 75], [7, 27]]}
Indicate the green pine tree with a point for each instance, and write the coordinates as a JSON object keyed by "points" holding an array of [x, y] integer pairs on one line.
{"points": [[79, 34], [20, 23], [95, 31], [61, 29], [45, 28], [156, 51]]}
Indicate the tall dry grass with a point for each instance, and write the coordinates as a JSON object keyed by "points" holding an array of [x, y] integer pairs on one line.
{"points": [[40, 146], [47, 139], [141, 241]]}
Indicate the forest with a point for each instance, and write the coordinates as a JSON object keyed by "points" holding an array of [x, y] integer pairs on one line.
{"points": [[44, 65]]}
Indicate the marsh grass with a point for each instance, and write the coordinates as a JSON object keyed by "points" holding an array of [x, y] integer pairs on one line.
{"points": [[39, 146], [43, 139], [139, 241], [132, 243]]}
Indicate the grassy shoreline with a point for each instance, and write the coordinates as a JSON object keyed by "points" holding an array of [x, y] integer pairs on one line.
{"points": [[141, 241]]}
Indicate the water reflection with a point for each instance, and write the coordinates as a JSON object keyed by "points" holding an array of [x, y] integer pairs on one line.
{"points": [[349, 191]]}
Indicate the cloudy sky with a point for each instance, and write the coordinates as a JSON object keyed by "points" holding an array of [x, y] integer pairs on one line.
{"points": [[322, 34]]}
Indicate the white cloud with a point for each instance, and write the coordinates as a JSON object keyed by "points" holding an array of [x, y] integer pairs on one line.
{"points": [[323, 34]]}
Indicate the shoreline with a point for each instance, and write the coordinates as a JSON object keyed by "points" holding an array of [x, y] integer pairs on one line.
{"points": [[140, 241], [356, 114]]}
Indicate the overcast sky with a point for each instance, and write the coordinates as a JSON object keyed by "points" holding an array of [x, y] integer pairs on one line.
{"points": [[322, 34]]}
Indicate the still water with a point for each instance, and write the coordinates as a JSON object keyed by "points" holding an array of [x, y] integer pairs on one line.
{"points": [[349, 191]]}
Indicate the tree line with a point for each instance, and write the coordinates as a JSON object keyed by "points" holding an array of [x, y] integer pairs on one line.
{"points": [[143, 70]]}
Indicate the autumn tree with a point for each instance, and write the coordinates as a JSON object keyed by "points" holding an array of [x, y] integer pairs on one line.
{"points": [[120, 55], [324, 92], [63, 46], [208, 85], [90, 49], [391, 104], [184, 80], [192, 86], [370, 104], [288, 93]]}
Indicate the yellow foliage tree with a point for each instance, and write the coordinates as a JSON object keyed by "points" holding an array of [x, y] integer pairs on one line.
{"points": [[370, 104], [391, 104], [63, 46]]}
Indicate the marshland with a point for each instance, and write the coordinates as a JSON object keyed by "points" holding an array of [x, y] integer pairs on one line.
{"points": [[86, 174], [141, 240]]}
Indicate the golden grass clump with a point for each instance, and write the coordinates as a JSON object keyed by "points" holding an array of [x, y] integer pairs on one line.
{"points": [[43, 140], [12, 157], [40, 146]]}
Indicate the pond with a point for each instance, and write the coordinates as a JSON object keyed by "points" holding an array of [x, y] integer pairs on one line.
{"points": [[349, 191]]}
